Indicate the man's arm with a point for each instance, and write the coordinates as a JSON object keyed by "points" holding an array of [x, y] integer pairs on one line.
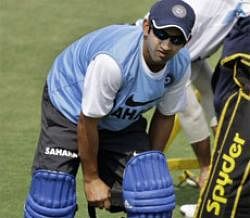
{"points": [[160, 130], [102, 82], [97, 192]]}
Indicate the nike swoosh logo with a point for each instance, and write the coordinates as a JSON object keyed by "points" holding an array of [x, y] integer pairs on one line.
{"points": [[130, 102]]}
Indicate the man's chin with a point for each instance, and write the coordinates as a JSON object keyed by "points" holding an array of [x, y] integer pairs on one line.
{"points": [[162, 61]]}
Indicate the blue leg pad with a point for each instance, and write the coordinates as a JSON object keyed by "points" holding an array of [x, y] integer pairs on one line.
{"points": [[52, 195], [148, 189]]}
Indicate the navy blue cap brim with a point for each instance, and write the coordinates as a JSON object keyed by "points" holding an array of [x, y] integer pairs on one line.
{"points": [[169, 26]]}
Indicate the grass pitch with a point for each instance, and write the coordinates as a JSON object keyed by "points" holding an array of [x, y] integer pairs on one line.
{"points": [[32, 33]]}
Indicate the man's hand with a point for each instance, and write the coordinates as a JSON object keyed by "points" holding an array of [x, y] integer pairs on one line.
{"points": [[97, 193]]}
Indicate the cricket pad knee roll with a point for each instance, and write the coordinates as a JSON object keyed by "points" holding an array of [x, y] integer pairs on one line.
{"points": [[148, 189], [52, 194]]}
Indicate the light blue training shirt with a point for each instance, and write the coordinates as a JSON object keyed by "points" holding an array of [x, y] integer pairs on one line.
{"points": [[139, 92]]}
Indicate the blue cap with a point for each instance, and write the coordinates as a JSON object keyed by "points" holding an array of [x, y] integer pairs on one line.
{"points": [[173, 13]]}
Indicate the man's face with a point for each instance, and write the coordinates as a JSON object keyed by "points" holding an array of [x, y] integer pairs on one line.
{"points": [[160, 45]]}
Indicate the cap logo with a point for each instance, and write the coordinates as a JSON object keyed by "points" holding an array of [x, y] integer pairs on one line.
{"points": [[179, 11]]}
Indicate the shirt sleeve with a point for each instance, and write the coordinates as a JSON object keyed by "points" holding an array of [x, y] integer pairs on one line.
{"points": [[175, 98], [102, 82]]}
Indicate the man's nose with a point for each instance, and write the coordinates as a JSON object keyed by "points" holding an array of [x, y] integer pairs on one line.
{"points": [[166, 44]]}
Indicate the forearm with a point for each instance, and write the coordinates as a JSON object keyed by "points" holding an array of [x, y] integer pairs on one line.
{"points": [[96, 191], [88, 141], [160, 130]]}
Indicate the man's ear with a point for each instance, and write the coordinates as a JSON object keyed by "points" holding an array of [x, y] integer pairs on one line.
{"points": [[146, 27]]}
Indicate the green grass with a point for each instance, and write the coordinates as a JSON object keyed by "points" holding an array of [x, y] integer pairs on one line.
{"points": [[32, 33]]}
